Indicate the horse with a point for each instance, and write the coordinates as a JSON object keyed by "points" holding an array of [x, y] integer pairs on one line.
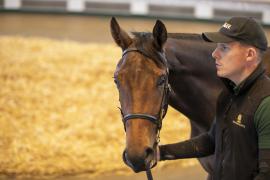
{"points": [[158, 67]]}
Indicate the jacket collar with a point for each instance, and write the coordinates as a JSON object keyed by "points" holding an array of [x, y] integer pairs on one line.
{"points": [[245, 84]]}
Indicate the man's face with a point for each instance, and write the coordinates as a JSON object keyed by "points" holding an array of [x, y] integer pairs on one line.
{"points": [[230, 60]]}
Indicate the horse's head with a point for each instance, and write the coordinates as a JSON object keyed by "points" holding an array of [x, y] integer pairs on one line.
{"points": [[141, 77]]}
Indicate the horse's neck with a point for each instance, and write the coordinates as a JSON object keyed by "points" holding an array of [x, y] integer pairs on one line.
{"points": [[193, 79]]}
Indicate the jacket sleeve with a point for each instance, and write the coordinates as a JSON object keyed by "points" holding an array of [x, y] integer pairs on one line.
{"points": [[199, 146], [262, 123], [264, 165]]}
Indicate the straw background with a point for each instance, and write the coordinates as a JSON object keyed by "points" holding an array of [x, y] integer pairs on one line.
{"points": [[58, 109]]}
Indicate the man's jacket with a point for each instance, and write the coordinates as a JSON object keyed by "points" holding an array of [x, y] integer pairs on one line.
{"points": [[236, 139], [233, 137]]}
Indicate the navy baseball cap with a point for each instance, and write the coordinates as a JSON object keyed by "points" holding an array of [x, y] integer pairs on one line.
{"points": [[245, 29]]}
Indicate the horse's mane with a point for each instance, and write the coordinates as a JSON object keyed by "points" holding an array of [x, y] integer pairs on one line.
{"points": [[142, 40], [184, 36]]}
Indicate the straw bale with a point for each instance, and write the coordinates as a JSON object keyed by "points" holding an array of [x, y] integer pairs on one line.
{"points": [[58, 109]]}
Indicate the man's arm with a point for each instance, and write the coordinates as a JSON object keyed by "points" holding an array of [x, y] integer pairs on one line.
{"points": [[262, 124], [264, 165], [200, 146]]}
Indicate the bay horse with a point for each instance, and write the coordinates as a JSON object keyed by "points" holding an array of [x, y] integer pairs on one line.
{"points": [[158, 66]]}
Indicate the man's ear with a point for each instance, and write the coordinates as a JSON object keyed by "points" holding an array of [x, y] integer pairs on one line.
{"points": [[252, 54]]}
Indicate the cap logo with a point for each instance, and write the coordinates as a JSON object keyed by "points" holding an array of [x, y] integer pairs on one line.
{"points": [[227, 26]]}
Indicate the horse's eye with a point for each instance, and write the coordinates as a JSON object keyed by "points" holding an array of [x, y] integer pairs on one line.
{"points": [[161, 80]]}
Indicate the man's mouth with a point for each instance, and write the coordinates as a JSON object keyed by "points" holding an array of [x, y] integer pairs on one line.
{"points": [[218, 66]]}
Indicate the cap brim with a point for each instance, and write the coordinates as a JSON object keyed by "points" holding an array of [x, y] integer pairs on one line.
{"points": [[216, 37]]}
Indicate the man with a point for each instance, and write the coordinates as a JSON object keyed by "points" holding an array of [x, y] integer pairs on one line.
{"points": [[240, 135]]}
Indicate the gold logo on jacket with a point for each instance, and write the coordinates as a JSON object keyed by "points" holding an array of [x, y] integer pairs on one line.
{"points": [[238, 121]]}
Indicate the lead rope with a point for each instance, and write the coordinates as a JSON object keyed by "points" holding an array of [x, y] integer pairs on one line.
{"points": [[148, 172]]}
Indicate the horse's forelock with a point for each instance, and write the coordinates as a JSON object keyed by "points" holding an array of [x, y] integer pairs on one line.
{"points": [[144, 35], [144, 41]]}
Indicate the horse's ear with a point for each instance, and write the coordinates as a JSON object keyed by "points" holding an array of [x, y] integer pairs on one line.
{"points": [[160, 35], [120, 37]]}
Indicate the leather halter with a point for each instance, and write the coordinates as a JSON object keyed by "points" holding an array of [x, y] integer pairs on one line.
{"points": [[156, 119]]}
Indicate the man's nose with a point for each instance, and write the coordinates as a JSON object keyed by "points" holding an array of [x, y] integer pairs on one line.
{"points": [[215, 54]]}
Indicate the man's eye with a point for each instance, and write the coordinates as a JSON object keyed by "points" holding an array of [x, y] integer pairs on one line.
{"points": [[224, 47]]}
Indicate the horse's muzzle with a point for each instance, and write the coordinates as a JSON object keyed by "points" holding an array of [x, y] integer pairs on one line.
{"points": [[140, 164]]}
